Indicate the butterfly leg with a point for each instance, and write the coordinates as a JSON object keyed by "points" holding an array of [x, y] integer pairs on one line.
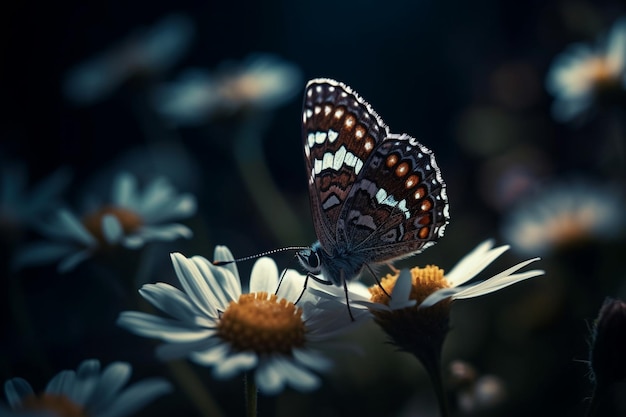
{"points": [[345, 289], [377, 280], [280, 281], [306, 281]]}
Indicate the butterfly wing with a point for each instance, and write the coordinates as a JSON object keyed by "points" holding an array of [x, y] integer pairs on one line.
{"points": [[398, 205], [340, 131]]}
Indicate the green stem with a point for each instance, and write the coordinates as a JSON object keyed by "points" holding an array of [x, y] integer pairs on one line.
{"points": [[251, 395]]}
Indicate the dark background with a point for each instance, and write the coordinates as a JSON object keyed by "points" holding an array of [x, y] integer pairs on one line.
{"points": [[465, 78]]}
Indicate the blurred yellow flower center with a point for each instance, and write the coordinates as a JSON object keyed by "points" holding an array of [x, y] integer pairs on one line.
{"points": [[129, 220], [59, 405], [602, 74], [424, 281], [241, 88], [262, 323], [570, 227]]}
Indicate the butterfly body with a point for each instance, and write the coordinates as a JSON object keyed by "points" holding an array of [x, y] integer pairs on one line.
{"points": [[375, 196]]}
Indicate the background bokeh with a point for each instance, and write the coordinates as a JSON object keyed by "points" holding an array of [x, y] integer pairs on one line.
{"points": [[465, 78]]}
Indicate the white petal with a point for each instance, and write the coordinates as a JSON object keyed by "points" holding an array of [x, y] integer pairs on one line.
{"points": [[474, 262], [164, 232], [167, 330], [291, 285], [210, 356], [297, 377], [136, 397], [113, 378], [61, 383], [264, 276], [124, 191], [157, 194], [170, 300], [111, 229], [87, 376], [71, 226], [402, 291], [42, 253], [15, 389], [235, 364], [224, 285], [196, 285], [71, 261], [179, 207], [312, 359], [268, 378], [222, 253], [492, 285], [495, 283]]}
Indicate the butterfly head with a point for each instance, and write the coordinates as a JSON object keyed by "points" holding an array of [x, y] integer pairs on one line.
{"points": [[310, 259]]}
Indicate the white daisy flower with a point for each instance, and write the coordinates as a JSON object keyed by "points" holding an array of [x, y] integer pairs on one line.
{"points": [[22, 206], [422, 329], [146, 51], [565, 214], [214, 323], [261, 82], [130, 219], [86, 392], [580, 75]]}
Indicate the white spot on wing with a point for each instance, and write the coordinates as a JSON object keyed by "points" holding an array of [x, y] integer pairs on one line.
{"points": [[327, 162], [339, 158], [317, 166], [332, 135], [358, 166], [320, 137]]}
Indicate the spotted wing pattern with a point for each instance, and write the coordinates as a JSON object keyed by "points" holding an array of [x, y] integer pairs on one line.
{"points": [[374, 194], [340, 131], [398, 206]]}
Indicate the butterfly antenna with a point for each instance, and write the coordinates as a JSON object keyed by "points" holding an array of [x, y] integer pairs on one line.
{"points": [[258, 255]]}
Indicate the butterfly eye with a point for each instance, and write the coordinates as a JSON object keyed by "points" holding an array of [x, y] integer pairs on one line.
{"points": [[314, 261], [310, 260]]}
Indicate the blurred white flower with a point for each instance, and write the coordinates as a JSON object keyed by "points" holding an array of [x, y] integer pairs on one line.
{"points": [[131, 219], [145, 51], [214, 323], [86, 392], [580, 75], [260, 82], [565, 214]]}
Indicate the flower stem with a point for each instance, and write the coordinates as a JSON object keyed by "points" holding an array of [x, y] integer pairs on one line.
{"points": [[251, 395], [433, 367]]}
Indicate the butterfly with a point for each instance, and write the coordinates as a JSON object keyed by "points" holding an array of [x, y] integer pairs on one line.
{"points": [[375, 196]]}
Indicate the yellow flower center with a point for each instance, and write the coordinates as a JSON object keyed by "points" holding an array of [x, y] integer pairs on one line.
{"points": [[60, 405], [602, 74], [129, 220], [424, 281], [262, 323], [242, 88], [420, 331]]}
